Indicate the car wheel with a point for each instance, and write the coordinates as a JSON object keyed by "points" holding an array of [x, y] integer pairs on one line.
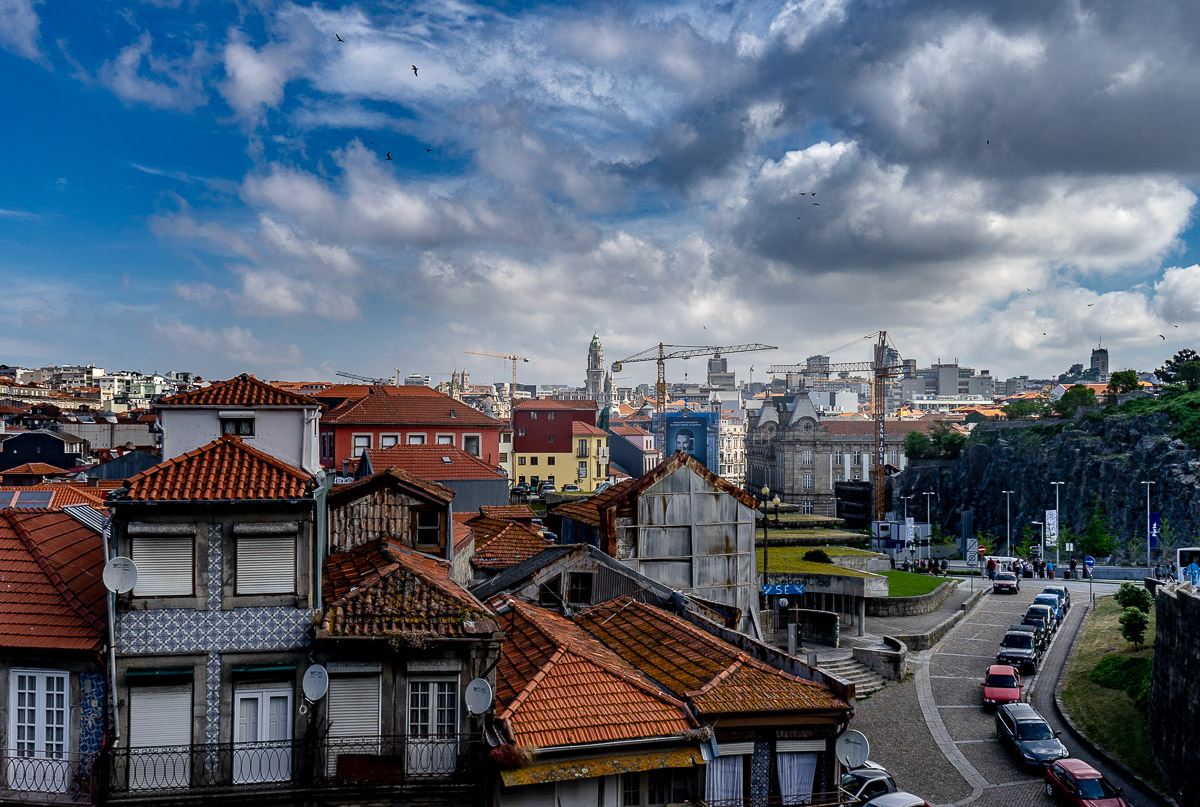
{"points": [[1049, 790]]}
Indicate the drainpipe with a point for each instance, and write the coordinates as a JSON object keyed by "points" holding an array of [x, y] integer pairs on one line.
{"points": [[321, 527], [111, 597]]}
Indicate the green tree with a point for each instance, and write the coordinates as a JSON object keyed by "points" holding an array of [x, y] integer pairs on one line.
{"points": [[1097, 539], [1073, 398], [1026, 409], [1182, 368], [917, 445], [1133, 625], [947, 443], [1131, 595], [1121, 382]]}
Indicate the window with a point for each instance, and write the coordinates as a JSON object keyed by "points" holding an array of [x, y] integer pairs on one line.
{"points": [[388, 440], [582, 451], [600, 470], [533, 415], [503, 457], [533, 460], [550, 438], [893, 456], [416, 439], [520, 460], [262, 725], [266, 564], [473, 444], [165, 565], [520, 432], [327, 445], [360, 443], [579, 588], [806, 457], [549, 460], [807, 482], [241, 426], [656, 788], [38, 730], [427, 525], [857, 458], [445, 439], [549, 416], [806, 507], [432, 726], [582, 470], [160, 717], [548, 592], [353, 716]]}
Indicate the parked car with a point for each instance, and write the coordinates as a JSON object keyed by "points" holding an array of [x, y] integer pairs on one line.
{"points": [[867, 782], [1076, 782], [897, 799], [603, 486], [520, 489], [1001, 684], [1045, 613], [571, 488], [1033, 631], [1041, 631], [1019, 650], [1052, 602], [1006, 583], [546, 487], [1063, 595], [1019, 726]]}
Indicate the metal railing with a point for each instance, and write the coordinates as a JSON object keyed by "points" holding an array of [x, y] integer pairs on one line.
{"points": [[325, 763], [48, 777], [832, 799]]}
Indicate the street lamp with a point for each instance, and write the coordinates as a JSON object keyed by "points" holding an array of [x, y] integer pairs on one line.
{"points": [[1147, 484], [906, 499], [928, 522], [1042, 554], [1057, 521], [1007, 522]]}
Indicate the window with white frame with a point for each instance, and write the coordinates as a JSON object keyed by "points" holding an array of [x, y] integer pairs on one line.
{"points": [[582, 470], [807, 482], [445, 439], [240, 425], [359, 443], [432, 725], [266, 564], [549, 416], [261, 731], [857, 458], [533, 415], [415, 439], [165, 565], [388, 440], [473, 444], [806, 457], [38, 731], [806, 507]]}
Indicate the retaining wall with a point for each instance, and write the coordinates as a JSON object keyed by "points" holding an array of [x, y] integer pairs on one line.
{"points": [[910, 606], [890, 660], [1174, 706]]}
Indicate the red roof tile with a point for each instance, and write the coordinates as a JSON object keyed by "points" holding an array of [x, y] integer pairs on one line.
{"points": [[51, 592], [558, 686], [500, 544], [509, 512], [62, 494], [717, 677], [540, 404], [224, 470], [579, 429], [429, 461], [381, 589], [390, 476], [244, 390], [406, 406], [35, 469]]}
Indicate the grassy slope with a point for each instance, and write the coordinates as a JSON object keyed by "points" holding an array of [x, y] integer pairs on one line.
{"points": [[790, 559], [909, 584], [1109, 716]]}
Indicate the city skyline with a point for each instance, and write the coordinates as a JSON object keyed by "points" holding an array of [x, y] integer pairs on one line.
{"points": [[208, 187]]}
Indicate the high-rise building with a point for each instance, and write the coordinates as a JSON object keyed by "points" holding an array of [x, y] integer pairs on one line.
{"points": [[1100, 364], [599, 386]]}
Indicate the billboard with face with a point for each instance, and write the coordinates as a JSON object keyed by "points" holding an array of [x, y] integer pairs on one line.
{"points": [[688, 432]]}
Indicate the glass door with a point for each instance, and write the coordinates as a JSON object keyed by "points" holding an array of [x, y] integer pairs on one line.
{"points": [[432, 727], [39, 732], [262, 747]]}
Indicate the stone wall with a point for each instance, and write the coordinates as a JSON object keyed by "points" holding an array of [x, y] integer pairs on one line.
{"points": [[889, 659], [910, 606], [1174, 708]]}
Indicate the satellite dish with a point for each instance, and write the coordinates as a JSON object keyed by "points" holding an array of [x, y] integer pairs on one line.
{"points": [[120, 575], [851, 748], [316, 682], [479, 696]]}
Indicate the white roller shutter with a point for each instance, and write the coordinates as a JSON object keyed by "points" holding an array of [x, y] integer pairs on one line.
{"points": [[160, 718], [353, 716], [164, 565], [799, 746], [266, 564]]}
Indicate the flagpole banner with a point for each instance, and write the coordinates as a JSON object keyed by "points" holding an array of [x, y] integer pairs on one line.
{"points": [[1051, 528]]}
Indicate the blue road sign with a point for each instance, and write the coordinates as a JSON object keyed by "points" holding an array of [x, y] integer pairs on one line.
{"points": [[1155, 529], [1089, 561], [787, 588]]}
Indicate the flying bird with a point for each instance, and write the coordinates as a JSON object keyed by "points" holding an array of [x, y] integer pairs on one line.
{"points": [[1043, 333], [389, 155], [1090, 305], [818, 204], [429, 149], [339, 39], [1160, 336], [988, 142], [414, 67]]}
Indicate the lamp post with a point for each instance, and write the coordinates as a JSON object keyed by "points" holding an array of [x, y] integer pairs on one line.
{"points": [[1042, 554], [1147, 484], [928, 522], [1007, 522], [1058, 521]]}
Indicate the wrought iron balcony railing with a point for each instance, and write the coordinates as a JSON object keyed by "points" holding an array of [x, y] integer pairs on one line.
{"points": [[325, 763], [48, 777]]}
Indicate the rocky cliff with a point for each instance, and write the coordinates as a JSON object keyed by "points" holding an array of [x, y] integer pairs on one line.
{"points": [[1109, 455]]}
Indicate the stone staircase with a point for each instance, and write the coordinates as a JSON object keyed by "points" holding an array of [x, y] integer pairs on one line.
{"points": [[865, 679]]}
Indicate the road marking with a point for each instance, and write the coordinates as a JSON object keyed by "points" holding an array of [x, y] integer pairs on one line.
{"points": [[968, 742], [958, 677], [966, 655]]}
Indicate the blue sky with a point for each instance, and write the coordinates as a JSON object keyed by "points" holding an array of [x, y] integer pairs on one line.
{"points": [[204, 186]]}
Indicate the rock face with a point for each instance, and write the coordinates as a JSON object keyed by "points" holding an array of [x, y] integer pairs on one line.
{"points": [[1174, 705], [1109, 457]]}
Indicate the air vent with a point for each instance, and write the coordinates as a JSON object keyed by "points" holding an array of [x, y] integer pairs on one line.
{"points": [[446, 460], [453, 414]]}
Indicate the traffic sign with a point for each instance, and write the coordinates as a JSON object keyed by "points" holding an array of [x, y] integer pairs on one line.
{"points": [[982, 550], [785, 588], [1089, 561]]}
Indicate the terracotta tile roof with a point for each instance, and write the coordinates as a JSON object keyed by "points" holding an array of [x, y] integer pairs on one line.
{"points": [[579, 429], [224, 470], [381, 589], [540, 404], [406, 406], [556, 685], [462, 530], [630, 431], [51, 593], [717, 677], [511, 512], [391, 475], [61, 495], [244, 390], [35, 469], [427, 461], [500, 544]]}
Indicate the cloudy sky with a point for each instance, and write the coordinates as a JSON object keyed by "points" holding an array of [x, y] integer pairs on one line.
{"points": [[206, 186]]}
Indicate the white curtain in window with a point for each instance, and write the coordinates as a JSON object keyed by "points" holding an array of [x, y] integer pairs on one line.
{"points": [[724, 778], [796, 772]]}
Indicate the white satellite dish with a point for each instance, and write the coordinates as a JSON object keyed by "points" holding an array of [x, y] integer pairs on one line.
{"points": [[120, 575], [479, 696], [315, 683], [851, 748]]}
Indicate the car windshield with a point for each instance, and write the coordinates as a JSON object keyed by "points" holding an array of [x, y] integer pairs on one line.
{"points": [[1006, 577], [1049, 600], [1034, 731], [1096, 789], [1020, 641], [1001, 681]]}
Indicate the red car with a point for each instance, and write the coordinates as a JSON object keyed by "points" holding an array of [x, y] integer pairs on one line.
{"points": [[1078, 783], [1001, 684], [1006, 583]]}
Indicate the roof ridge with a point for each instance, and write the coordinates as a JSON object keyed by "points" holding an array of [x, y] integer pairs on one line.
{"points": [[52, 574], [184, 398], [531, 684], [719, 677], [236, 444]]}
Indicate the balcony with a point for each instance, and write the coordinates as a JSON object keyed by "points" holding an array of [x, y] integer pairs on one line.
{"points": [[441, 761], [834, 799], [49, 778]]}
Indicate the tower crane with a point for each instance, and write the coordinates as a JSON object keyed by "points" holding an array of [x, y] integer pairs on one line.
{"points": [[881, 372], [366, 379], [660, 353], [512, 390]]}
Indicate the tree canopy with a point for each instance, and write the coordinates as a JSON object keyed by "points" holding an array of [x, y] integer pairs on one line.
{"points": [[1123, 381], [1075, 397], [1182, 368]]}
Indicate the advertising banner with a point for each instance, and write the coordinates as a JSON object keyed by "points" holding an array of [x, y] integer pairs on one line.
{"points": [[1051, 528], [1155, 529], [688, 432]]}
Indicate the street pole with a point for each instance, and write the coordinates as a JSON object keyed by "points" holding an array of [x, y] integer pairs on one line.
{"points": [[1058, 521], [1007, 522], [1147, 484], [766, 491], [1042, 554]]}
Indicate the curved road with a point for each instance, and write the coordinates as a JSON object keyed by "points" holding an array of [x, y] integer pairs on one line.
{"points": [[948, 691]]}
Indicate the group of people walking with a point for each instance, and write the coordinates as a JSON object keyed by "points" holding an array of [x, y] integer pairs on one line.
{"points": [[924, 566], [1042, 569]]}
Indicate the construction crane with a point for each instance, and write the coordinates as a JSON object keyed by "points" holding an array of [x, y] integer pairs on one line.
{"points": [[881, 372], [366, 379], [512, 391], [660, 353]]}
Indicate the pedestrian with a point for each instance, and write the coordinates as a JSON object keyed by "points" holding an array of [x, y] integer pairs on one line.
{"points": [[893, 558], [991, 568], [945, 567], [1072, 568], [1050, 569]]}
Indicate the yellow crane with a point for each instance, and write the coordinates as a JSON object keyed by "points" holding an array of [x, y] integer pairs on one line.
{"points": [[881, 372], [660, 353], [512, 391]]}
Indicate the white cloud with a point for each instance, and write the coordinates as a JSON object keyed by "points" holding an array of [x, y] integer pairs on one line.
{"points": [[19, 25], [233, 344], [255, 79], [138, 76]]}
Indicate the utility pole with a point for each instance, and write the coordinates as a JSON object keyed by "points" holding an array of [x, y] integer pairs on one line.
{"points": [[1147, 484], [1007, 522], [1057, 522]]}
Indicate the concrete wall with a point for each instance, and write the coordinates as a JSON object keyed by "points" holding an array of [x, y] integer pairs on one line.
{"points": [[286, 434], [910, 606], [1174, 709]]}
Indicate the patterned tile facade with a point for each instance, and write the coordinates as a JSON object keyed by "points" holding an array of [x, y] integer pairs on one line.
{"points": [[760, 771], [182, 630], [91, 720]]}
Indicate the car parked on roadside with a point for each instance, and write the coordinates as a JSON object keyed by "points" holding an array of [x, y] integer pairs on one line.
{"points": [[1033, 631], [570, 488], [546, 487], [1052, 602], [1041, 631], [898, 799], [1001, 684], [1063, 595], [1045, 613], [1022, 729], [1076, 782], [1019, 650], [1006, 583], [521, 489], [865, 783]]}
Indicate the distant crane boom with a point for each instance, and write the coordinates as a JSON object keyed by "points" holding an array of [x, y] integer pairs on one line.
{"points": [[367, 379], [512, 390]]}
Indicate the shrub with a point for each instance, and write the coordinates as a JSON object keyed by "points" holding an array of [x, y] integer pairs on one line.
{"points": [[1133, 625], [1131, 595], [1129, 674], [817, 556]]}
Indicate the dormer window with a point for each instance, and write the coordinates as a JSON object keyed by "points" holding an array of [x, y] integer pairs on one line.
{"points": [[239, 423]]}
